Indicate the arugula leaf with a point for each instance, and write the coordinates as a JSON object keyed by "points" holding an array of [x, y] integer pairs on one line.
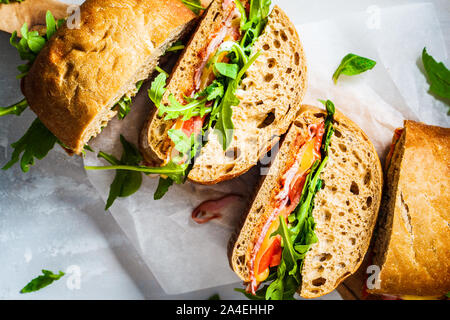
{"points": [[88, 148], [42, 281], [163, 186], [255, 23], [16, 108], [32, 43], [353, 64], [177, 46], [176, 110], [187, 146], [214, 91], [157, 89], [227, 70], [171, 170], [243, 13], [194, 5], [224, 112], [51, 24], [214, 297], [447, 294], [36, 143], [125, 183], [124, 104], [328, 124], [438, 76]]}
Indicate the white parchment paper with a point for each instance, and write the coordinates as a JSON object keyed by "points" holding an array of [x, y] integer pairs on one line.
{"points": [[185, 256]]}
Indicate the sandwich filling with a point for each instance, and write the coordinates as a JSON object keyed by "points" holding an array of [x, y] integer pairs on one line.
{"points": [[224, 60], [277, 254], [284, 199]]}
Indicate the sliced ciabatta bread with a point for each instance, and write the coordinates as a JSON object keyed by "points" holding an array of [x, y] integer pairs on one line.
{"points": [[413, 236], [155, 144], [269, 95], [84, 71], [345, 208]]}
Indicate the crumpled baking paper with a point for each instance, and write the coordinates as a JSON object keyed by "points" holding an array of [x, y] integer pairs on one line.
{"points": [[185, 256]]}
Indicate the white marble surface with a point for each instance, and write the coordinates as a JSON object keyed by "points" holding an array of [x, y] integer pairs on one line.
{"points": [[52, 217]]}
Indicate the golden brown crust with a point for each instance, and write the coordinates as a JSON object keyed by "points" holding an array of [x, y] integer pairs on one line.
{"points": [[417, 259], [80, 71]]}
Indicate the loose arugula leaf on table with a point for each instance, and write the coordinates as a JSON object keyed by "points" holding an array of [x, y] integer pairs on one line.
{"points": [[42, 281], [36, 143], [16, 108], [170, 173], [438, 76], [163, 187], [125, 182], [353, 64]]}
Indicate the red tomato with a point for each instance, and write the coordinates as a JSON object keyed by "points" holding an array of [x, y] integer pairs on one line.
{"points": [[193, 125], [266, 259]]}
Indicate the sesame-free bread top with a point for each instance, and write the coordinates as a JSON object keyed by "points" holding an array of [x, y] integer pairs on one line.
{"points": [[345, 210], [82, 72], [413, 243]]}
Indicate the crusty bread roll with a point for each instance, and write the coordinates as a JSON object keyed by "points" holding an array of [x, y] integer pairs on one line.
{"points": [[270, 96], [345, 210], [412, 247], [83, 72]]}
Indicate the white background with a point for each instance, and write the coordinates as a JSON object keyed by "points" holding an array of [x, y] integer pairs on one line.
{"points": [[52, 217]]}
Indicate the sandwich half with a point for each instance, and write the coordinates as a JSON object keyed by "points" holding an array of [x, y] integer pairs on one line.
{"points": [[82, 75], [412, 247], [236, 88], [311, 221]]}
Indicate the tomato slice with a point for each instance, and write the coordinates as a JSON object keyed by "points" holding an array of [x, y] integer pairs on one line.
{"points": [[266, 259], [193, 125]]}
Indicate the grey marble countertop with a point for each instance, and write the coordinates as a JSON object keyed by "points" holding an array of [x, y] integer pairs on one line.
{"points": [[52, 218]]}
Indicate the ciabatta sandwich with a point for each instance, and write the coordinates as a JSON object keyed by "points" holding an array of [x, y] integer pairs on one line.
{"points": [[239, 82], [412, 247], [311, 221], [82, 73]]}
